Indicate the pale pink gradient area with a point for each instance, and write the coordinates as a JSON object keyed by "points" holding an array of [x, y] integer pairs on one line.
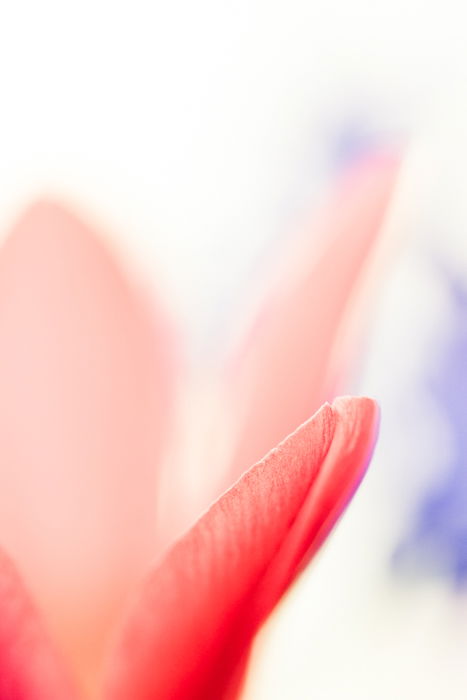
{"points": [[86, 384], [93, 441], [287, 367]]}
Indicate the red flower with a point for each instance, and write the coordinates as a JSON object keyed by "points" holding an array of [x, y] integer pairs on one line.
{"points": [[88, 382]]}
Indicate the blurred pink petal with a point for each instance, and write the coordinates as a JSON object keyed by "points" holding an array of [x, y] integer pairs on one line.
{"points": [[188, 634], [29, 667], [285, 370], [85, 377]]}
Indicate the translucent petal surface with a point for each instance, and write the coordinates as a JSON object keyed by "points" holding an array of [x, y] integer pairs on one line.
{"points": [[286, 370], [85, 378], [189, 632]]}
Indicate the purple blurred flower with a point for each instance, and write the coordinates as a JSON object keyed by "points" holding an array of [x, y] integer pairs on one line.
{"points": [[437, 542]]}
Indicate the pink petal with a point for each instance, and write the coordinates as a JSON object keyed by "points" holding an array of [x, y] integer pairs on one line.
{"points": [[189, 632], [286, 370], [85, 377], [29, 667]]}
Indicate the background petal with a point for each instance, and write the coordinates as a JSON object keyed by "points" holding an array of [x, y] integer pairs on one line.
{"points": [[85, 377], [293, 358], [188, 634]]}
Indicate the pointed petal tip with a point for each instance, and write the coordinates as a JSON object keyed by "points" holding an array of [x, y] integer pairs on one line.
{"points": [[378, 170], [366, 407], [49, 237], [384, 156], [42, 217], [188, 634], [44, 207], [346, 401]]}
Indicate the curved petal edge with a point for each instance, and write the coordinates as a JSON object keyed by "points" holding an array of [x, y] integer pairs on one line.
{"points": [[189, 631]]}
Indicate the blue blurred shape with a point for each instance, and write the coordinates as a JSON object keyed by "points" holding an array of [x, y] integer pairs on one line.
{"points": [[437, 542]]}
